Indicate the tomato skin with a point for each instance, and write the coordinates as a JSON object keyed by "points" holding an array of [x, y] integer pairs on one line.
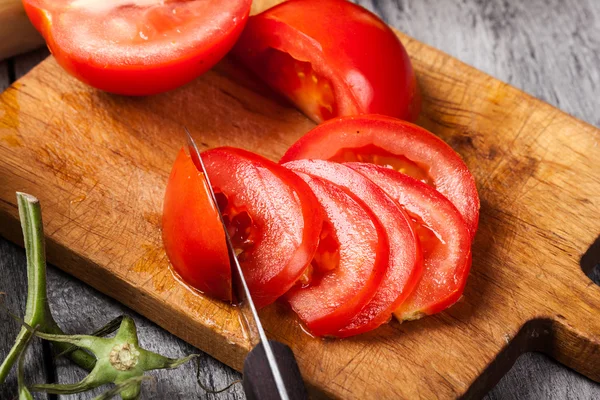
{"points": [[135, 74], [286, 218], [405, 264], [338, 292], [448, 172], [346, 44], [192, 233], [446, 254]]}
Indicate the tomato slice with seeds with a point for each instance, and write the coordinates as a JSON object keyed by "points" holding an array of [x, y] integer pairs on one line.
{"points": [[192, 232], [444, 236], [272, 215], [349, 264], [138, 47], [399, 145], [405, 264], [331, 58]]}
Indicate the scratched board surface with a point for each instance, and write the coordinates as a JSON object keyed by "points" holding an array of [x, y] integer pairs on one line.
{"points": [[99, 164]]}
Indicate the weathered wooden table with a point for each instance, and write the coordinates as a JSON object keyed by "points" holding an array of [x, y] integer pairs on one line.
{"points": [[549, 48]]}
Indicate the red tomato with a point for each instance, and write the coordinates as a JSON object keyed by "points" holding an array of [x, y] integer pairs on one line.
{"points": [[349, 264], [400, 145], [331, 58], [405, 261], [445, 240], [273, 218], [192, 232], [138, 47]]}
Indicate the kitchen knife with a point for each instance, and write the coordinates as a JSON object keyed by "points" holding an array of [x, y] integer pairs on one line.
{"points": [[270, 369]]}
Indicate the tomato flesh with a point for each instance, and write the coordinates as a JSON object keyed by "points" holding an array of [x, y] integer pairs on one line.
{"points": [[405, 262], [444, 236], [398, 144], [138, 47], [312, 93], [193, 236], [348, 266], [273, 216], [331, 58], [376, 155]]}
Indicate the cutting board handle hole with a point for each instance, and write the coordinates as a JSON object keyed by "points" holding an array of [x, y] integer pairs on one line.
{"points": [[590, 262]]}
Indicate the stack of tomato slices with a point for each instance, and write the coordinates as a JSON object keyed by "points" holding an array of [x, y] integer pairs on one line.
{"points": [[364, 217]]}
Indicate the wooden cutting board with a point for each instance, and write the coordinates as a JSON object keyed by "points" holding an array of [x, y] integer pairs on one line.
{"points": [[99, 163]]}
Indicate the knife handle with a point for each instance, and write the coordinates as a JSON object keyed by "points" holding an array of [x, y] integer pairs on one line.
{"points": [[258, 379]]}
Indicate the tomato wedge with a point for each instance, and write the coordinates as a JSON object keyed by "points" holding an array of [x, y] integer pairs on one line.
{"points": [[405, 261], [138, 47], [349, 264], [445, 240], [331, 58], [398, 144], [273, 218], [193, 235]]}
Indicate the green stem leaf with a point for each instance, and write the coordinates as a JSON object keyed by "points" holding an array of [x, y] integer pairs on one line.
{"points": [[106, 330], [91, 381], [129, 385]]}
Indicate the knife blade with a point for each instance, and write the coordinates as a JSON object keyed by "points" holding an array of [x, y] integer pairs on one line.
{"points": [[265, 354]]}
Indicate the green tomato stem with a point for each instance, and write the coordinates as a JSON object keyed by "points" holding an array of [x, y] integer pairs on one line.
{"points": [[37, 310], [24, 393]]}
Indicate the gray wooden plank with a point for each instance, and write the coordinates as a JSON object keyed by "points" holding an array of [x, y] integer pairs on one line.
{"points": [[27, 61], [4, 76], [12, 282], [548, 48], [535, 376]]}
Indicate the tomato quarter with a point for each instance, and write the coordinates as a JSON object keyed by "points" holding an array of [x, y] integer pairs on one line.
{"points": [[444, 236], [138, 47], [272, 216], [398, 144], [349, 264], [331, 58], [193, 235], [405, 261]]}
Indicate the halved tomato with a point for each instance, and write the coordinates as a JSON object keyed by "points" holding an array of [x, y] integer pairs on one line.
{"points": [[349, 264], [193, 235], [400, 145], [272, 215], [444, 236], [331, 58], [138, 47], [405, 265]]}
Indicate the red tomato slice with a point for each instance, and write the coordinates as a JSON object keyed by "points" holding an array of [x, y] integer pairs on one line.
{"points": [[349, 264], [138, 47], [192, 232], [405, 261], [331, 58], [273, 218], [445, 240], [403, 146]]}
